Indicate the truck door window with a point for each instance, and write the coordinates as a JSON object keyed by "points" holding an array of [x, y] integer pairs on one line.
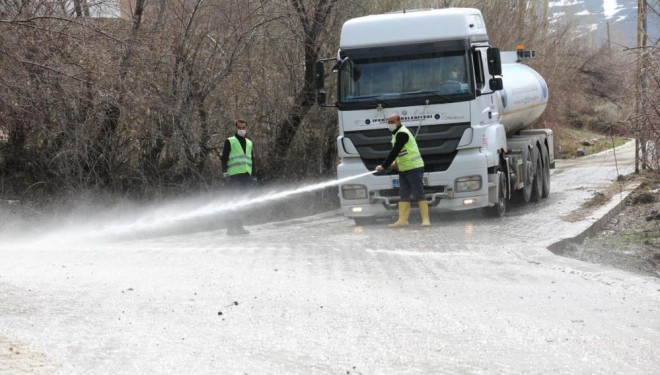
{"points": [[346, 79], [478, 70]]}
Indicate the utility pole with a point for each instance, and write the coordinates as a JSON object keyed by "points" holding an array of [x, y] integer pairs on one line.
{"points": [[544, 17], [522, 8], [641, 136], [609, 38]]}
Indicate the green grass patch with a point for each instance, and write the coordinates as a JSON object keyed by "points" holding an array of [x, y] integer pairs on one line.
{"points": [[570, 142]]}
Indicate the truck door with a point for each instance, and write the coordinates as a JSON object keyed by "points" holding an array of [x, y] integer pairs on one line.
{"points": [[484, 110]]}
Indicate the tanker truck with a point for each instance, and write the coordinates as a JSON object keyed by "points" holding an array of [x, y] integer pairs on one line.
{"points": [[468, 105]]}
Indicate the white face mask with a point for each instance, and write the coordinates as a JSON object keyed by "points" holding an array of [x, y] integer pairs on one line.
{"points": [[241, 132], [391, 127]]}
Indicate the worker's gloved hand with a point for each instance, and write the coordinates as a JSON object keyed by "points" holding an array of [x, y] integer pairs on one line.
{"points": [[379, 169]]}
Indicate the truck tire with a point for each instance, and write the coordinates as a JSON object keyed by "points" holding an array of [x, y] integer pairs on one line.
{"points": [[537, 183], [500, 207], [546, 173], [528, 174]]}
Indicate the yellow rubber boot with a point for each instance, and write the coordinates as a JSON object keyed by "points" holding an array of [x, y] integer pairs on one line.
{"points": [[424, 211], [404, 213]]}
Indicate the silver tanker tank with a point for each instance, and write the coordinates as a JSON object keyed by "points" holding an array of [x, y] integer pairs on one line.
{"points": [[523, 98]]}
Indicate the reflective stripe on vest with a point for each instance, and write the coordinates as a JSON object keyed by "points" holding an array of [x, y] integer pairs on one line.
{"points": [[239, 161], [409, 157]]}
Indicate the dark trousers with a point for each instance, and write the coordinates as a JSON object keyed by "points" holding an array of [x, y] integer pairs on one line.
{"points": [[411, 185], [237, 183]]}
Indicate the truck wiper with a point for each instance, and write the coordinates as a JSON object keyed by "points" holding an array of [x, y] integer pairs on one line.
{"points": [[433, 93], [364, 97], [371, 99], [443, 97], [375, 96]]}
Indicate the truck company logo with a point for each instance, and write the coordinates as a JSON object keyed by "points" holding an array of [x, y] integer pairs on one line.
{"points": [[403, 118]]}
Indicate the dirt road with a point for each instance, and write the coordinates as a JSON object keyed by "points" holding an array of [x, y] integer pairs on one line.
{"points": [[320, 295]]}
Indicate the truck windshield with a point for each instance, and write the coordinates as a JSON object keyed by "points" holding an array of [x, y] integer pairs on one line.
{"points": [[437, 76]]}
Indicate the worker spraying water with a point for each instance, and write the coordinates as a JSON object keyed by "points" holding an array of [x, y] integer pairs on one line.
{"points": [[411, 171]]}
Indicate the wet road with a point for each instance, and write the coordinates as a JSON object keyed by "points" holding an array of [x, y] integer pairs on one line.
{"points": [[320, 295]]}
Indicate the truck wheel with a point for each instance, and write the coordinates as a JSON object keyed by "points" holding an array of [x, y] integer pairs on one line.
{"points": [[528, 174], [499, 209], [537, 183], [546, 173]]}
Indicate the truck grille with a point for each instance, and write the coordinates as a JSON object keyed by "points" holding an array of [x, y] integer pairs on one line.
{"points": [[437, 143]]}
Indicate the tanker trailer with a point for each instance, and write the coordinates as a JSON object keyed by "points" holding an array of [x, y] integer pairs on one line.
{"points": [[468, 106], [528, 157]]}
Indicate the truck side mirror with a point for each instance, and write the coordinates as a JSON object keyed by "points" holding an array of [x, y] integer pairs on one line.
{"points": [[494, 61], [319, 75], [496, 84]]}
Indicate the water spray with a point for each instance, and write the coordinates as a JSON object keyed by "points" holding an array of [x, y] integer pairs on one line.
{"points": [[167, 216], [213, 208]]}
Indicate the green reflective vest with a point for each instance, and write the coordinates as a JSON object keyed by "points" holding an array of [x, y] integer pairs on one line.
{"points": [[239, 161], [409, 157]]}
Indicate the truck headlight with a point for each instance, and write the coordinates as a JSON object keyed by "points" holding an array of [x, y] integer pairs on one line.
{"points": [[469, 183], [354, 191]]}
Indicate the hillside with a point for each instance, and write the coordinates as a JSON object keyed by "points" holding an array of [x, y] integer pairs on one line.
{"points": [[593, 17]]}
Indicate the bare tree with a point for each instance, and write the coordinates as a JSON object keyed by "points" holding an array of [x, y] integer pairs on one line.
{"points": [[141, 105], [91, 111], [311, 18], [205, 42]]}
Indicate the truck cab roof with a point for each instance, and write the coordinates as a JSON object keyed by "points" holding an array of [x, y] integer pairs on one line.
{"points": [[413, 26]]}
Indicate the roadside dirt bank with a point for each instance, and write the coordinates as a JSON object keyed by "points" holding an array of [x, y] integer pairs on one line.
{"points": [[631, 239]]}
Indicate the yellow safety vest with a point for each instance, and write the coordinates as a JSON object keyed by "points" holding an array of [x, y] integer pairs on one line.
{"points": [[239, 161], [409, 157]]}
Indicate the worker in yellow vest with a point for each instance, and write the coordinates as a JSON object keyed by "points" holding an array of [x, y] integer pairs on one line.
{"points": [[238, 169], [405, 154]]}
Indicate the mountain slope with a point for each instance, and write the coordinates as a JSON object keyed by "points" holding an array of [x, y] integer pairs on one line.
{"points": [[593, 17]]}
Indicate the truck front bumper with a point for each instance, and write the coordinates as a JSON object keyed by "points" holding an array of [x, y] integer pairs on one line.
{"points": [[382, 199]]}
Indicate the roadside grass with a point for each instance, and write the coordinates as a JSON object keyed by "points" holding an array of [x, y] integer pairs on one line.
{"points": [[570, 143], [638, 238]]}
